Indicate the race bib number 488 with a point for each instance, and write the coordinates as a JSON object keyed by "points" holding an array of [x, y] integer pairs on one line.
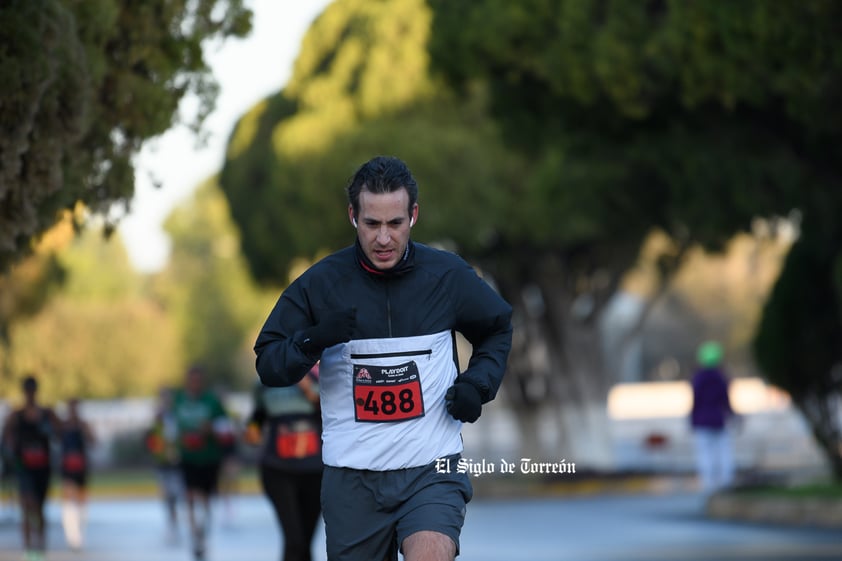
{"points": [[387, 393]]}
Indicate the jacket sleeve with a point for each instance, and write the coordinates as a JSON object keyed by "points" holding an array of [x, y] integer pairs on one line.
{"points": [[485, 319], [280, 359]]}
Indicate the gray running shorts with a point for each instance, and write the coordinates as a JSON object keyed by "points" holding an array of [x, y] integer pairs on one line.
{"points": [[368, 514]]}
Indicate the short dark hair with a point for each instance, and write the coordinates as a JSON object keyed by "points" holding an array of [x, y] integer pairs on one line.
{"points": [[29, 384], [382, 174]]}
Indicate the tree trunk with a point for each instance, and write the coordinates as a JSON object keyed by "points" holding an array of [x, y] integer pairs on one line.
{"points": [[556, 380], [822, 415], [528, 380]]}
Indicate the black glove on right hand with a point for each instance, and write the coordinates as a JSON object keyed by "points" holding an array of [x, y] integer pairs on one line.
{"points": [[334, 328], [463, 402]]}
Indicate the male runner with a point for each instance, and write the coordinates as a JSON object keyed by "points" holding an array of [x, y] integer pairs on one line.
{"points": [[382, 317]]}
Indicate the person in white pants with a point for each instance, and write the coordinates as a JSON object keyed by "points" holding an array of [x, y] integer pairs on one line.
{"points": [[710, 418]]}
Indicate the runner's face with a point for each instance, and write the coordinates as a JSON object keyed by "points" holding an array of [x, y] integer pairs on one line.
{"points": [[383, 226]]}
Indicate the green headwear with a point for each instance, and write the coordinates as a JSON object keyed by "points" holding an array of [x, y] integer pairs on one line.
{"points": [[709, 354]]}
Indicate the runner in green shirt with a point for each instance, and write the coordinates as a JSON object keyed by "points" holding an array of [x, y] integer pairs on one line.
{"points": [[200, 417]]}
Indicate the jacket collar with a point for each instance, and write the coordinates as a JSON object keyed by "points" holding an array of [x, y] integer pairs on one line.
{"points": [[403, 266]]}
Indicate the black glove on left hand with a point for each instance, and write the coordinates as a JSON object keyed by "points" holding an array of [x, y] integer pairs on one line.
{"points": [[463, 401], [335, 327]]}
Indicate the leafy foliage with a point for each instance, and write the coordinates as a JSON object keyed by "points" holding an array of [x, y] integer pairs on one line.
{"points": [[107, 332], [206, 289], [84, 85], [362, 87], [27, 286], [798, 341], [704, 114], [692, 117], [98, 349], [99, 335]]}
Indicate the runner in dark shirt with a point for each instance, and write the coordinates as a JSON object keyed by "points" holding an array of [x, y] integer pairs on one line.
{"points": [[76, 439], [289, 422], [28, 433]]}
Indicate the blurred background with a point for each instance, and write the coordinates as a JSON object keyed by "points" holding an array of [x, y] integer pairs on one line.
{"points": [[633, 177]]}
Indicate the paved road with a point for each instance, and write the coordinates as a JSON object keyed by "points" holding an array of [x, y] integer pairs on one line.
{"points": [[642, 527]]}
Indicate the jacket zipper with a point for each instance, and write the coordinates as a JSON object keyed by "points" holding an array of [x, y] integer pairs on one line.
{"points": [[427, 352], [388, 310]]}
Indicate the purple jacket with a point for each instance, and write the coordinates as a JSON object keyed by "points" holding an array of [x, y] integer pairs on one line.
{"points": [[711, 406]]}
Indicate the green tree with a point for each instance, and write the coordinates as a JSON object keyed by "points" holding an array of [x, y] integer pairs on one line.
{"points": [[84, 85], [99, 335], [798, 341], [26, 287], [693, 117], [361, 86], [108, 332], [207, 290]]}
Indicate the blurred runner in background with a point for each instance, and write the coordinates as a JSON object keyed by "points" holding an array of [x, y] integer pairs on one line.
{"points": [[76, 439], [29, 432], [287, 424], [198, 411], [8, 496], [709, 419], [228, 432], [162, 443]]}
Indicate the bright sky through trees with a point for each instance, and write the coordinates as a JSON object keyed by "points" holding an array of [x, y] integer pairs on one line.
{"points": [[247, 71]]}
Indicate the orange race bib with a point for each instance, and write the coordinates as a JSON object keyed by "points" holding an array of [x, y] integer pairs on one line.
{"points": [[296, 444], [252, 435], [387, 393], [155, 443]]}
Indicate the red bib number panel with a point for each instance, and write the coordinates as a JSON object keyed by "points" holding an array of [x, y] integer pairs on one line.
{"points": [[73, 462], [384, 394], [34, 457]]}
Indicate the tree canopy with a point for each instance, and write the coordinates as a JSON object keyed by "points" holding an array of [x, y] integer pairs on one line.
{"points": [[692, 117], [84, 85], [362, 87], [207, 291], [107, 331], [710, 113], [99, 334]]}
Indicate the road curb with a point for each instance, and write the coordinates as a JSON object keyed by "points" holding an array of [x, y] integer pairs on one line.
{"points": [[824, 513], [577, 485]]}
